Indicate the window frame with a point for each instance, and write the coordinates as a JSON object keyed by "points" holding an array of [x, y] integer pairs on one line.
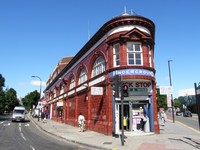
{"points": [[99, 66], [116, 55], [72, 83], [82, 76], [135, 53]]}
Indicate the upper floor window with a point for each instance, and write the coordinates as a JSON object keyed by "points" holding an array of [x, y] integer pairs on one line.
{"points": [[54, 93], [72, 83], [61, 89], [150, 57], [116, 58], [134, 52], [83, 76], [99, 66]]}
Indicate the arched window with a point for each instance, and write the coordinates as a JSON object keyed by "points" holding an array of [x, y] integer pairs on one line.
{"points": [[54, 93], [83, 76], [72, 83], [99, 66], [61, 89]]}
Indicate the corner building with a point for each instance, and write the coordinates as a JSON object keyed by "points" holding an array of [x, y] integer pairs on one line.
{"points": [[123, 46]]}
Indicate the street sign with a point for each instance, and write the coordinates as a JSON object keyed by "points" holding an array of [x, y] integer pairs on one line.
{"points": [[165, 90], [96, 90]]}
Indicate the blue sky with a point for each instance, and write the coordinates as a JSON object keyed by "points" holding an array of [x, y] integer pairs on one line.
{"points": [[36, 34]]}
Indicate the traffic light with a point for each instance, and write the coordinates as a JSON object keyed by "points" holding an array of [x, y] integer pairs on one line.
{"points": [[125, 91], [116, 85]]}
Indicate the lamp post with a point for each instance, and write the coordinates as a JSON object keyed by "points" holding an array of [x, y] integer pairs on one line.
{"points": [[40, 94], [172, 101]]}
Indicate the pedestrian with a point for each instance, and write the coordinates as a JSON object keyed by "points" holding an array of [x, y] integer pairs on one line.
{"points": [[163, 117], [43, 117], [81, 122]]}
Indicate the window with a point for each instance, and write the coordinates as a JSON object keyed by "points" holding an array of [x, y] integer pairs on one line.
{"points": [[134, 52], [61, 89], [83, 76], [99, 66], [150, 57], [72, 83], [116, 55], [54, 93]]}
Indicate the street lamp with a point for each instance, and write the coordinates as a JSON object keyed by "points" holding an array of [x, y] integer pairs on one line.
{"points": [[172, 101], [40, 94]]}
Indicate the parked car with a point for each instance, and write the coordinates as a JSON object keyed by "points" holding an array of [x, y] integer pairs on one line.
{"points": [[178, 113], [187, 113]]}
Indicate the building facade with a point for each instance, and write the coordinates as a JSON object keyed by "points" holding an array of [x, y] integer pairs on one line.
{"points": [[123, 46]]}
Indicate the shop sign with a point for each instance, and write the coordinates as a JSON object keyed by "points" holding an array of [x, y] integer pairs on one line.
{"points": [[134, 72], [59, 104], [165, 90], [96, 90], [138, 84]]}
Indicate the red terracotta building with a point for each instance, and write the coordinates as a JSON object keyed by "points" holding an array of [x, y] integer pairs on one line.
{"points": [[123, 46]]}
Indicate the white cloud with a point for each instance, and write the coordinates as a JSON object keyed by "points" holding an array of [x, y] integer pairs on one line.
{"points": [[37, 83]]}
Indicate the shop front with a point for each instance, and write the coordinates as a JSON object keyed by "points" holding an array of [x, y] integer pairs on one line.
{"points": [[137, 108]]}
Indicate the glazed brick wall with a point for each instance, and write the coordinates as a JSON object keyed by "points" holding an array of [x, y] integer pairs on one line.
{"points": [[82, 106], [72, 111], [98, 114]]}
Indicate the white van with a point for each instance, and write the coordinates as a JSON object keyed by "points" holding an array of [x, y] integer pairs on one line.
{"points": [[19, 113]]}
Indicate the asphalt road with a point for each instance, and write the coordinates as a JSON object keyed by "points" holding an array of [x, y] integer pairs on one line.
{"points": [[191, 122], [26, 136]]}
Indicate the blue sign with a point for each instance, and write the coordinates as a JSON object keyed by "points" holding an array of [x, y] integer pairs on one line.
{"points": [[132, 72]]}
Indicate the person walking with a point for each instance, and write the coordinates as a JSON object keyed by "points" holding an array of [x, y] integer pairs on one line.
{"points": [[81, 122], [163, 117], [43, 117]]}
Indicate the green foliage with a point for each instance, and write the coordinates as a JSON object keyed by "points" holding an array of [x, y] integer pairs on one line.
{"points": [[11, 100], [31, 100], [8, 98], [161, 100], [177, 103], [2, 82]]}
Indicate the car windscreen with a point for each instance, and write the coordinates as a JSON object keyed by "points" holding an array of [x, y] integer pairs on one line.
{"points": [[17, 111]]}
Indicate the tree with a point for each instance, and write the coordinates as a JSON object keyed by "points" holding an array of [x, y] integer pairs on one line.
{"points": [[31, 100], [2, 93], [177, 103], [2, 82], [161, 100], [11, 100]]}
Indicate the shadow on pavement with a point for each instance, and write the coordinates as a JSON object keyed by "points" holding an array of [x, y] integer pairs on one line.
{"points": [[190, 142]]}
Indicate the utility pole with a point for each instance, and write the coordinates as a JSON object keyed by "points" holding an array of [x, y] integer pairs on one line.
{"points": [[172, 101]]}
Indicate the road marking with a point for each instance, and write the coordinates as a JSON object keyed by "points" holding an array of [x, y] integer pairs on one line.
{"points": [[23, 136], [2, 122], [20, 129], [32, 147], [20, 124], [189, 127], [7, 124], [26, 125]]}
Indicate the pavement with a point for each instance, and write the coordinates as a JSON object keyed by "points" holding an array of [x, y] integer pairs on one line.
{"points": [[173, 136]]}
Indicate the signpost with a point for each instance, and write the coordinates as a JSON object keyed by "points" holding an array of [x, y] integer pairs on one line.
{"points": [[197, 94]]}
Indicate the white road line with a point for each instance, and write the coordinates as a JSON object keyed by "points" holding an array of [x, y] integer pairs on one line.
{"points": [[23, 137], [20, 129], [7, 124], [32, 147], [2, 122]]}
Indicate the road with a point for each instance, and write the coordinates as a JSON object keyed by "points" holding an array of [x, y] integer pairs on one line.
{"points": [[26, 136], [191, 122]]}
